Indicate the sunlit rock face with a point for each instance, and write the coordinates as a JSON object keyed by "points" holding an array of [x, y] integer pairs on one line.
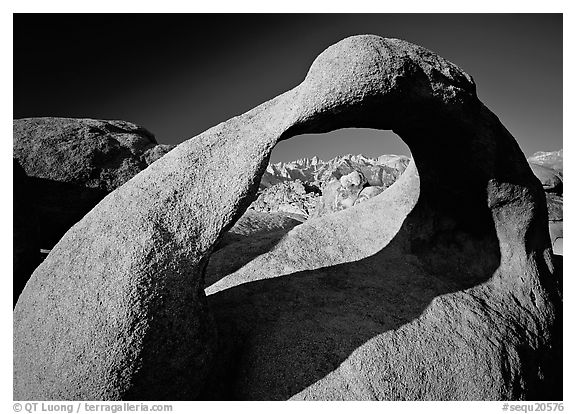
{"points": [[292, 198], [548, 167], [551, 179], [440, 287], [74, 163], [70, 165]]}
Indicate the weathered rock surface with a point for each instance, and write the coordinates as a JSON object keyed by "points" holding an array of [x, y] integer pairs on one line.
{"points": [[255, 233], [350, 186], [342, 193], [557, 245], [291, 198], [441, 287], [92, 153], [548, 167], [70, 165], [367, 193], [73, 163], [349, 190], [556, 221], [156, 152], [256, 223], [551, 180]]}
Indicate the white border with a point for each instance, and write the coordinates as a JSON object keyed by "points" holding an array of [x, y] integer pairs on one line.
{"points": [[413, 6]]}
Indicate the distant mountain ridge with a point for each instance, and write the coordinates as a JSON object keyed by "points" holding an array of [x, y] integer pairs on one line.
{"points": [[379, 171], [382, 170], [294, 188], [552, 159]]}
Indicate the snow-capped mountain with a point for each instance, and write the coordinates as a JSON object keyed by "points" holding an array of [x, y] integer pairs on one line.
{"points": [[379, 171], [553, 159]]}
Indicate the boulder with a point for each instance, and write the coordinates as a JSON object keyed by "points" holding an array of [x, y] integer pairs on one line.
{"points": [[340, 194], [353, 181], [350, 186], [551, 180], [292, 198], [557, 246], [328, 203], [73, 163], [555, 204], [441, 287], [555, 207], [367, 193]]}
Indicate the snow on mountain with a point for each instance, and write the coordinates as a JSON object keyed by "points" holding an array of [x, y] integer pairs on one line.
{"points": [[552, 159], [381, 171]]}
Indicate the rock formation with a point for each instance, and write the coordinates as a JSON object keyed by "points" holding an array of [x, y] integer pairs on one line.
{"points": [[74, 163], [292, 198], [314, 177], [367, 193], [255, 223], [551, 180], [71, 164], [379, 172], [548, 168], [441, 287], [341, 194], [556, 221]]}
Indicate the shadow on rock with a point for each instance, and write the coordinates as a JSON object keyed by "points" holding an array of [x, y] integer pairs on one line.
{"points": [[285, 333]]}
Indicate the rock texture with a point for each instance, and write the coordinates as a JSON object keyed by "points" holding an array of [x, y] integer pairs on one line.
{"points": [[255, 223], [70, 165], [73, 163], [349, 190], [446, 291], [367, 193], [556, 221], [548, 167], [292, 198], [551, 180]]}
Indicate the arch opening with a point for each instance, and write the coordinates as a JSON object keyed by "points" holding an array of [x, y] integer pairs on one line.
{"points": [[326, 289], [296, 178], [317, 183]]}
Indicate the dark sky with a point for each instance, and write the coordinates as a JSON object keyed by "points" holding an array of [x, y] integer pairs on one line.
{"points": [[178, 75]]}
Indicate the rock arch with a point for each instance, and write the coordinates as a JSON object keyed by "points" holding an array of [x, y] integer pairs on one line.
{"points": [[118, 310]]}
